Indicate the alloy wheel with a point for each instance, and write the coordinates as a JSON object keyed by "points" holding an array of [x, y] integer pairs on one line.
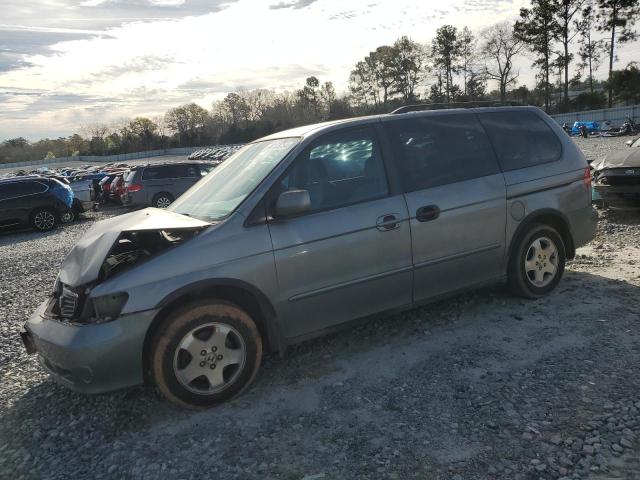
{"points": [[541, 262], [44, 220], [209, 358], [163, 202]]}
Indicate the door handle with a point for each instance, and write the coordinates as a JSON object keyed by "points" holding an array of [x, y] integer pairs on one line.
{"points": [[427, 213], [388, 222]]}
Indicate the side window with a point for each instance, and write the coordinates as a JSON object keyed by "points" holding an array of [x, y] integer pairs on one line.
{"points": [[4, 191], [521, 139], [339, 170], [18, 189], [192, 171], [441, 149], [177, 171], [30, 188], [151, 173], [205, 169]]}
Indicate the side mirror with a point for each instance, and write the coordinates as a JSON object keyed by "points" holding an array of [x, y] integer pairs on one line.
{"points": [[292, 203], [629, 143]]}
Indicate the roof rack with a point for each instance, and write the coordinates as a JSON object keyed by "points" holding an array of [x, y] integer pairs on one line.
{"points": [[444, 106]]}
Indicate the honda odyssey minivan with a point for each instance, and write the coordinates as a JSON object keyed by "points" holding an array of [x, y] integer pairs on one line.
{"points": [[305, 230]]}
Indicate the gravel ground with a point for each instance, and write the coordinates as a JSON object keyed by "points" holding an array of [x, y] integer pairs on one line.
{"points": [[481, 386]]}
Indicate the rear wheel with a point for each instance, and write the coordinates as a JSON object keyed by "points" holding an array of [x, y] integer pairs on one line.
{"points": [[205, 353], [537, 263], [44, 219], [162, 200]]}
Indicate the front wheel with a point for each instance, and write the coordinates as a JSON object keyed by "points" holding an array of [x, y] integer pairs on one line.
{"points": [[205, 353], [44, 219], [537, 263]]}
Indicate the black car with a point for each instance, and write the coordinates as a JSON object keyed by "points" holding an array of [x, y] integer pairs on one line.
{"points": [[36, 201]]}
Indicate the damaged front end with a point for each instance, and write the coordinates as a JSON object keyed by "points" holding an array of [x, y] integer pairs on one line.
{"points": [[110, 248]]}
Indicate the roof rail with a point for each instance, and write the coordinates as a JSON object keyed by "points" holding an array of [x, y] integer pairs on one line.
{"points": [[444, 106]]}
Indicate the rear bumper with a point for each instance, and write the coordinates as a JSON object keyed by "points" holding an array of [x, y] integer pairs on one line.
{"points": [[616, 190], [133, 200], [583, 224], [618, 195], [90, 358]]}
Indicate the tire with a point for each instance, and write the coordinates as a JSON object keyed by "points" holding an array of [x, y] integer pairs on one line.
{"points": [[44, 219], [188, 354], [68, 216], [162, 200], [537, 263]]}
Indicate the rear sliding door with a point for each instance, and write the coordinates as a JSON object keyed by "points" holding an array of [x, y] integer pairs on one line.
{"points": [[455, 193]]}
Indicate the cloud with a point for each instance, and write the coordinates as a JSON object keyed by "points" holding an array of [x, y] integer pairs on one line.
{"points": [[17, 43], [33, 27], [295, 4]]}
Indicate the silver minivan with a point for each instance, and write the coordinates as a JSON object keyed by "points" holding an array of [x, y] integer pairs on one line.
{"points": [[303, 231]]}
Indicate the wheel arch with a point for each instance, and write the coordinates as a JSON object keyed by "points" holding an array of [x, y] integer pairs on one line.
{"points": [[166, 193], [551, 217], [238, 292]]}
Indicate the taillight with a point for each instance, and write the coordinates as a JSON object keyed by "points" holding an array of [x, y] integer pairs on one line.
{"points": [[587, 177], [133, 188]]}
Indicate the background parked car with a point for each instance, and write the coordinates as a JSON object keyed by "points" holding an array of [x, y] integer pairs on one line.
{"points": [[36, 201], [159, 185]]}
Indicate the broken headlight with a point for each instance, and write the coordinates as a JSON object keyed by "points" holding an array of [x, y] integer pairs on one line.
{"points": [[108, 307]]}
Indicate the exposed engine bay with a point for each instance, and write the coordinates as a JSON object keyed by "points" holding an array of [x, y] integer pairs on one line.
{"points": [[109, 248], [134, 247]]}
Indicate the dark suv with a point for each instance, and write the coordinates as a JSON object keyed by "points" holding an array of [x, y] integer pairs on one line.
{"points": [[159, 185], [35, 201]]}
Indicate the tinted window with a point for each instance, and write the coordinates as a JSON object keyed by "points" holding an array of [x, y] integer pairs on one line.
{"points": [[166, 171], [521, 139], [441, 149], [17, 189], [205, 168], [339, 170]]}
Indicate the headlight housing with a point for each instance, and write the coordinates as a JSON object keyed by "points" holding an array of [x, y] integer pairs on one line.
{"points": [[108, 307]]}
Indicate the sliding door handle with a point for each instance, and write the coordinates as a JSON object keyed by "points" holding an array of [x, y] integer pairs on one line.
{"points": [[427, 213]]}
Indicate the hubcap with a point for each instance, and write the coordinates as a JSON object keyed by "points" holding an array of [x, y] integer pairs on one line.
{"points": [[541, 262], [209, 358], [163, 202], [44, 220]]}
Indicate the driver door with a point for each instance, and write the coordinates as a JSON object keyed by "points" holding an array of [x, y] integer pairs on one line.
{"points": [[350, 255]]}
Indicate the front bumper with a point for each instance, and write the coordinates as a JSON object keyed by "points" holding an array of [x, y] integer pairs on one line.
{"points": [[91, 358]]}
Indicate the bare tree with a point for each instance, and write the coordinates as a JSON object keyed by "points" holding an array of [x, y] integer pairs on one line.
{"points": [[617, 17], [591, 50], [499, 48], [445, 53], [468, 53], [567, 12]]}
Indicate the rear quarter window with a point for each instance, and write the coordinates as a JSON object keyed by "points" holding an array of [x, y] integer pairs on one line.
{"points": [[521, 139]]}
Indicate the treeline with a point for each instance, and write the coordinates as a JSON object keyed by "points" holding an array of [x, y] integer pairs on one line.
{"points": [[567, 40]]}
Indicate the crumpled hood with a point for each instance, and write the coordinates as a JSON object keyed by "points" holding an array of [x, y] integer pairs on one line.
{"points": [[629, 158], [82, 264]]}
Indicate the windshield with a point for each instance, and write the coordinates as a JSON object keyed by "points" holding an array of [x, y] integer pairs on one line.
{"points": [[220, 192]]}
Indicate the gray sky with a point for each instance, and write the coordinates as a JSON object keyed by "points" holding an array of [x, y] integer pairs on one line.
{"points": [[68, 63]]}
